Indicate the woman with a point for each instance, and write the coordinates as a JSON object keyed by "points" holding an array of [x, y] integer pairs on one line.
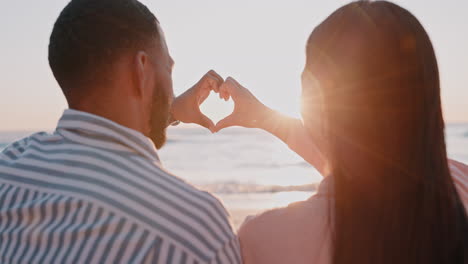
{"points": [[373, 126]]}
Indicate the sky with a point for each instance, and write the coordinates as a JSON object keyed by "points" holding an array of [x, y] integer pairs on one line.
{"points": [[260, 43]]}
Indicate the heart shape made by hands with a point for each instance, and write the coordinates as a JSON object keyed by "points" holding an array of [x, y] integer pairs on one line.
{"points": [[216, 108]]}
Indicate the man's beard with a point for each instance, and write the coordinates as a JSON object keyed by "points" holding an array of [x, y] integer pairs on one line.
{"points": [[160, 112]]}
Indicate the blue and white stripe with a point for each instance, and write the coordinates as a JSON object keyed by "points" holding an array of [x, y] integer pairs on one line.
{"points": [[95, 192]]}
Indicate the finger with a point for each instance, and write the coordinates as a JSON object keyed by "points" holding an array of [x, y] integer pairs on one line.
{"points": [[206, 122], [223, 94], [226, 96], [223, 91], [228, 89], [216, 76], [237, 88], [229, 121], [216, 80], [236, 83], [211, 84]]}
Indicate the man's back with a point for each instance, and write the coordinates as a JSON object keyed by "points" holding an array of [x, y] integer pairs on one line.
{"points": [[94, 191]]}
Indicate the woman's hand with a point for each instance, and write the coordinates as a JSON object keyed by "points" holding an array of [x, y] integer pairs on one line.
{"points": [[186, 107], [248, 110]]}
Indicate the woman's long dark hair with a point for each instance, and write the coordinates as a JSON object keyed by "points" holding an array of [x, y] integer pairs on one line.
{"points": [[394, 198]]}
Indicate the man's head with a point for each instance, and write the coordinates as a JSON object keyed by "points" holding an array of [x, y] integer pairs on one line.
{"points": [[110, 58]]}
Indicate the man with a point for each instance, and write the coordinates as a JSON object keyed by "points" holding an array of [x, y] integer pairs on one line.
{"points": [[95, 191]]}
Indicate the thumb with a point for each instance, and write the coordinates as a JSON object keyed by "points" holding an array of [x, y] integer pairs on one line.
{"points": [[204, 121], [229, 121]]}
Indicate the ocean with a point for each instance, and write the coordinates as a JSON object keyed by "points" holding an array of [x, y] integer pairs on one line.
{"points": [[249, 169]]}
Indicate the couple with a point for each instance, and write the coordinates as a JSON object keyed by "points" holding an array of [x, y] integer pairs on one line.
{"points": [[94, 191]]}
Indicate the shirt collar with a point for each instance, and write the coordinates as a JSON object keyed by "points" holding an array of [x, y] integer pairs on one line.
{"points": [[89, 129]]}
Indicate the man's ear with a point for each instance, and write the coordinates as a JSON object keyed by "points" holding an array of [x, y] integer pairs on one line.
{"points": [[140, 72]]}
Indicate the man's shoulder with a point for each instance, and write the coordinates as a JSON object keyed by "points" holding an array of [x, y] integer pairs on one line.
{"points": [[194, 220], [145, 191], [196, 198], [14, 149], [177, 188]]}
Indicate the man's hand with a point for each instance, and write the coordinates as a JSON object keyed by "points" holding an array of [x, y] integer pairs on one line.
{"points": [[248, 110], [186, 107]]}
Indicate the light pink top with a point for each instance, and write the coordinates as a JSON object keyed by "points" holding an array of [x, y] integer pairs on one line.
{"points": [[299, 233]]}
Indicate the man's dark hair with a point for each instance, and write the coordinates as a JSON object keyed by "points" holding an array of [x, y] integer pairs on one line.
{"points": [[89, 35]]}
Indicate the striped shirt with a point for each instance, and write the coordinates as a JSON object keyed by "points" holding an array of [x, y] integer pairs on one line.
{"points": [[95, 192]]}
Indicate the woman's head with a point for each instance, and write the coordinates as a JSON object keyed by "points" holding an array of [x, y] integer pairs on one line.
{"points": [[371, 85], [372, 71]]}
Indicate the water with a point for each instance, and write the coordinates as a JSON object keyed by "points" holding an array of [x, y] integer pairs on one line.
{"points": [[241, 160], [236, 160], [249, 169]]}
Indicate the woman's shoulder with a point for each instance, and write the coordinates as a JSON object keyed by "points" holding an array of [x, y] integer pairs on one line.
{"points": [[458, 167], [285, 235], [315, 206], [459, 172], [278, 235]]}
